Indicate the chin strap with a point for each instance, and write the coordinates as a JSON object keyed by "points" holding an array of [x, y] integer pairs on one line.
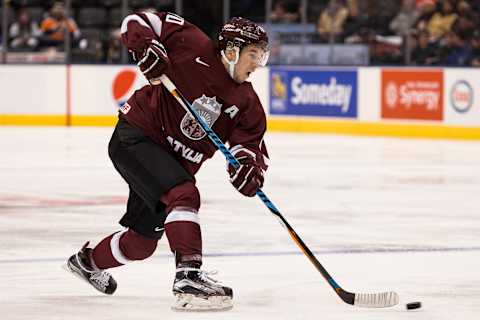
{"points": [[231, 64]]}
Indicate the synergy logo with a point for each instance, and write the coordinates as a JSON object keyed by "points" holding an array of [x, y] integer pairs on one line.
{"points": [[122, 86], [412, 94], [461, 96]]}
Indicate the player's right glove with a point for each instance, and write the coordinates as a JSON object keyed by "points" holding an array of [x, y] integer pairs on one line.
{"points": [[249, 177], [154, 62]]}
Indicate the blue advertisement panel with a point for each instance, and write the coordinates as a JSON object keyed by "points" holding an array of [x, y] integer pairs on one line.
{"points": [[314, 92]]}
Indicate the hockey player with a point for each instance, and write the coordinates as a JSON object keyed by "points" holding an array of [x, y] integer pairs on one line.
{"points": [[157, 147]]}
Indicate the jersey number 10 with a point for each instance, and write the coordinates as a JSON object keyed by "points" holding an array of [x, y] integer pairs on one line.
{"points": [[173, 18]]}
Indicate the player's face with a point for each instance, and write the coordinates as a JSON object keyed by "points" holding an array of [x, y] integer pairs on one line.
{"points": [[251, 57]]}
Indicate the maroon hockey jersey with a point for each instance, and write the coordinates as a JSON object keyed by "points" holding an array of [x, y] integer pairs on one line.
{"points": [[232, 110]]}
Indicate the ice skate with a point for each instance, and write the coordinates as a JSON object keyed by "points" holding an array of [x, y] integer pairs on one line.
{"points": [[195, 290], [79, 264]]}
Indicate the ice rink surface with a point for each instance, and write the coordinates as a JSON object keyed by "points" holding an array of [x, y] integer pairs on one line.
{"points": [[379, 213]]}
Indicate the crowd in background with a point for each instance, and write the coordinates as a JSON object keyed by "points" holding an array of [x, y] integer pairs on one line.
{"points": [[421, 32], [435, 32], [93, 26]]}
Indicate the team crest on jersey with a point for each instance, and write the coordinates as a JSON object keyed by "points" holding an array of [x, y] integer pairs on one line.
{"points": [[207, 108]]}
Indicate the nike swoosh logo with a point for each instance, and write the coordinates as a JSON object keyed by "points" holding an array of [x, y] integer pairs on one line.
{"points": [[197, 60], [158, 229]]}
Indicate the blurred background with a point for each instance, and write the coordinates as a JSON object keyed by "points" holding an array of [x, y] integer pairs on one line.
{"points": [[303, 32]]}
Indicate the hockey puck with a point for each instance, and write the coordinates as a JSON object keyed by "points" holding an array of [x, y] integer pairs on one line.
{"points": [[414, 305]]}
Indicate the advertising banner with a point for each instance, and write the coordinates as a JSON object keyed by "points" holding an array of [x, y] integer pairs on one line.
{"points": [[32, 90], [462, 100], [414, 94], [313, 92], [101, 90]]}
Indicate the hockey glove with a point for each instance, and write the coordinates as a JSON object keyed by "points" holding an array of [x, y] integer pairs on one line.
{"points": [[154, 62], [247, 178]]}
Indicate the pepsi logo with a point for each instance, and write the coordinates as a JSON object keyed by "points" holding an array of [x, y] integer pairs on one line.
{"points": [[461, 96], [123, 85]]}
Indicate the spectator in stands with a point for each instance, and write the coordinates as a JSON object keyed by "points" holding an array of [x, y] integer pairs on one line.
{"points": [[421, 3], [475, 44], [475, 5], [405, 20], [371, 14], [427, 10], [386, 10], [55, 25], [114, 53], [353, 8], [360, 26], [24, 32], [362, 9], [330, 25], [441, 22], [465, 23], [286, 11], [356, 17], [425, 52], [456, 51], [464, 7]]}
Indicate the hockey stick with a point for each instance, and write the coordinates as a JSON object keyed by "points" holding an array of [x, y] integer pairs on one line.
{"points": [[369, 300]]}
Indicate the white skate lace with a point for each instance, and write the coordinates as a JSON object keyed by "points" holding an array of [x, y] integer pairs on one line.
{"points": [[100, 278], [202, 274], [205, 276]]}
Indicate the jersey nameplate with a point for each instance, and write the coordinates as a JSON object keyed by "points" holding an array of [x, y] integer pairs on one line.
{"points": [[186, 152]]}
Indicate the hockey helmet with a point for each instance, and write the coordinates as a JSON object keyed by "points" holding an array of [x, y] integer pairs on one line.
{"points": [[239, 32]]}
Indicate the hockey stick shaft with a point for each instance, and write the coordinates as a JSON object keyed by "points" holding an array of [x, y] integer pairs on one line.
{"points": [[346, 296]]}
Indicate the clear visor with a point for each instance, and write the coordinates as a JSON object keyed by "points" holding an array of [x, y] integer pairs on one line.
{"points": [[260, 55], [264, 58]]}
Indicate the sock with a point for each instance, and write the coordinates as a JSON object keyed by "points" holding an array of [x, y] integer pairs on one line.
{"points": [[121, 248]]}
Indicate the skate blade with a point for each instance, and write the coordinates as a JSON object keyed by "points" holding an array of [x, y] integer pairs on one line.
{"points": [[190, 303]]}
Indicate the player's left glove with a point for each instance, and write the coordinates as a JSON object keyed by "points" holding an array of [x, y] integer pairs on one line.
{"points": [[154, 62], [249, 177]]}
